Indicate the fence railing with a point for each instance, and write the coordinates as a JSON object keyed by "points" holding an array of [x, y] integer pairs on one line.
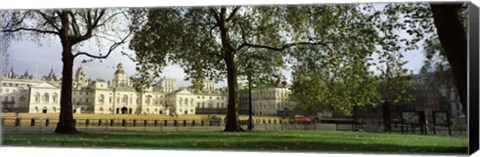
{"points": [[26, 125]]}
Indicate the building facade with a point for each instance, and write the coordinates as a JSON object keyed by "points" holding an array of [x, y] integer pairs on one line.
{"points": [[265, 101], [117, 96]]}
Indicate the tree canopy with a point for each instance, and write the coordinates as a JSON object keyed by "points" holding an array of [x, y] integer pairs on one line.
{"points": [[74, 27]]}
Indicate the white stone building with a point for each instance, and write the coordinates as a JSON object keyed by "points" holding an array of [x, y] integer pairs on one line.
{"points": [[269, 101], [108, 97], [265, 101]]}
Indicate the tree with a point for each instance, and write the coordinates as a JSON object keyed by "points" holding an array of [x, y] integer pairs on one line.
{"points": [[339, 78], [452, 35], [198, 38], [73, 28], [269, 76], [435, 22]]}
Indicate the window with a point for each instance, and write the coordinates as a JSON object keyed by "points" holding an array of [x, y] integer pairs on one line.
{"points": [[22, 98], [55, 97], [8, 90], [46, 98], [101, 98], [13, 98]]}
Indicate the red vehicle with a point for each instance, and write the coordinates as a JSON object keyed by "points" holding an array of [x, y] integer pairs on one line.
{"points": [[299, 119]]}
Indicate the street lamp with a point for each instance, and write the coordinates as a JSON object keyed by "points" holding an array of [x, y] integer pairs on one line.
{"points": [[250, 120]]}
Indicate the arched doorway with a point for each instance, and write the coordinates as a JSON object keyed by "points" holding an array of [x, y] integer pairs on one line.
{"points": [[118, 111], [124, 110], [130, 111], [74, 110], [44, 110], [186, 112]]}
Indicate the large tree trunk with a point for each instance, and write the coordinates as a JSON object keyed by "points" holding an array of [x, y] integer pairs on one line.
{"points": [[232, 109], [453, 39], [229, 57], [65, 124]]}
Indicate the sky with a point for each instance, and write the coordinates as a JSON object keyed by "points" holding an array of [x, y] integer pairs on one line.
{"points": [[40, 57]]}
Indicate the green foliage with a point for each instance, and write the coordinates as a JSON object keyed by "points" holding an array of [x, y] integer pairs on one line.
{"points": [[336, 76], [253, 42]]}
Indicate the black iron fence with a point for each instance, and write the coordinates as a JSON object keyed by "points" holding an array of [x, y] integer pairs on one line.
{"points": [[26, 125], [20, 125]]}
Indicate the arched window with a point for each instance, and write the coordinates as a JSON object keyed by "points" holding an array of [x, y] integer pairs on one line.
{"points": [[54, 110], [55, 98], [101, 99], [46, 98], [191, 102], [186, 102], [37, 97], [180, 101], [125, 99]]}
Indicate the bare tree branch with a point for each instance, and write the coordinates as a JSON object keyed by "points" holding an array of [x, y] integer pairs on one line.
{"points": [[211, 29], [31, 29], [279, 48], [215, 15], [242, 28], [110, 50], [50, 20], [90, 28], [74, 24], [232, 14], [108, 19]]}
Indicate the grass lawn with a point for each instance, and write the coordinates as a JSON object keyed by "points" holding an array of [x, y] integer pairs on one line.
{"points": [[258, 140]]}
